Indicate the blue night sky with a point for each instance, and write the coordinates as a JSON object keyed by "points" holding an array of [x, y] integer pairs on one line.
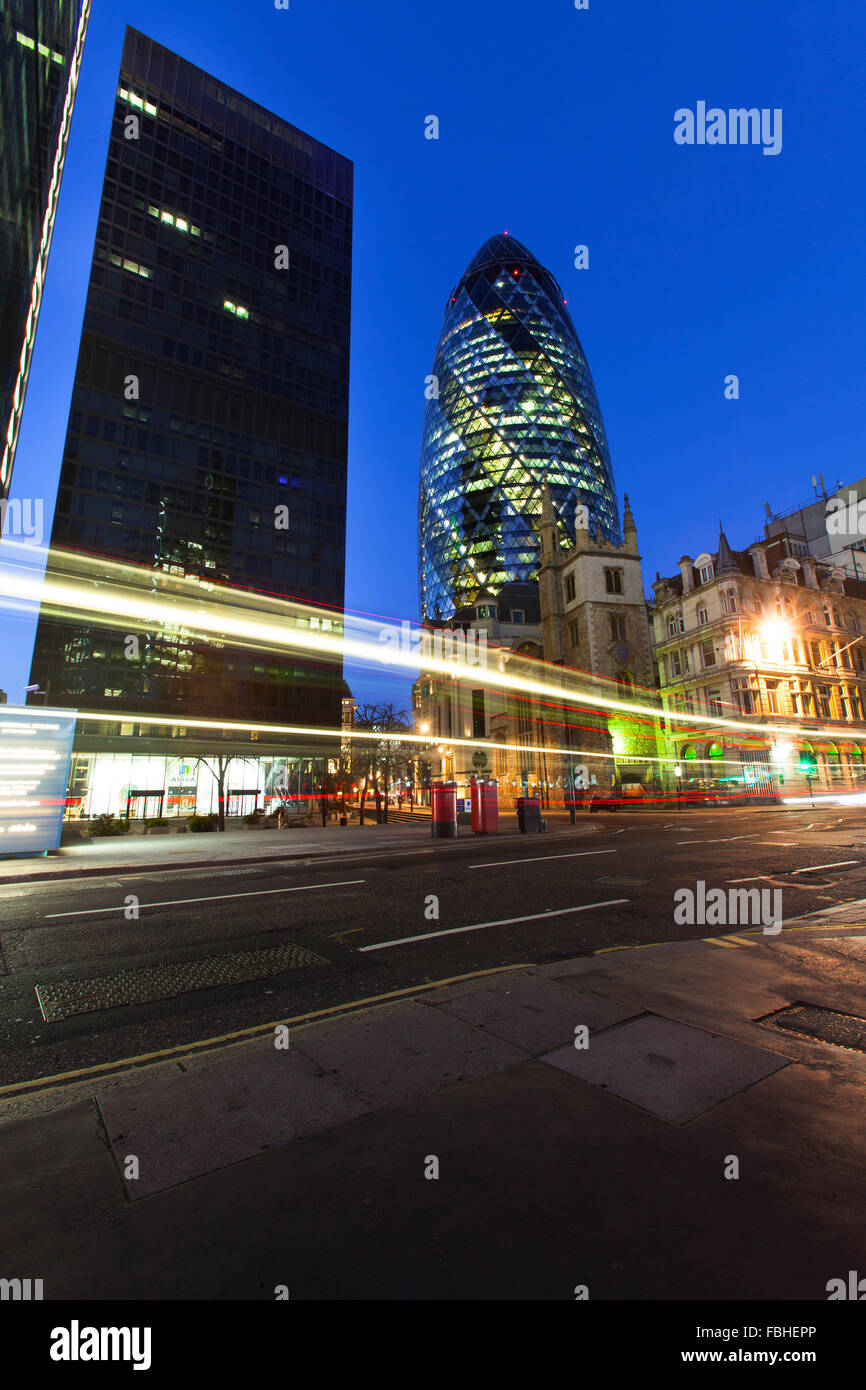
{"points": [[557, 125]]}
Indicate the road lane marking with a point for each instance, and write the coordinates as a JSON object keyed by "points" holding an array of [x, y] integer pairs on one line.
{"points": [[811, 868], [536, 858], [217, 897], [479, 926], [752, 879], [724, 840]]}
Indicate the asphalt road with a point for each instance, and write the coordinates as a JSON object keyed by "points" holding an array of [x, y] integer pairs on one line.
{"points": [[378, 921]]}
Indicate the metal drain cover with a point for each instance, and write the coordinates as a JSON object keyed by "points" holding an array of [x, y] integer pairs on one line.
{"points": [[825, 1025], [145, 984]]}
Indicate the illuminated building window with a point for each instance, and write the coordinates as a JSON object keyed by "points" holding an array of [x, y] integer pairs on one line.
{"points": [[136, 101], [520, 412], [237, 309], [132, 266], [170, 219]]}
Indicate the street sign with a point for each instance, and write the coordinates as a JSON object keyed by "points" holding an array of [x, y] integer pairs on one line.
{"points": [[35, 750]]}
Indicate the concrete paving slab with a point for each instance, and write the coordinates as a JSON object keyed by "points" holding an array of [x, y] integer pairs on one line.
{"points": [[534, 1013], [220, 1110], [397, 1052], [672, 1070]]}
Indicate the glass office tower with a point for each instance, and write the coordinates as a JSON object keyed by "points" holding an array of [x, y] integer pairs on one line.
{"points": [[211, 392], [511, 405], [41, 43]]}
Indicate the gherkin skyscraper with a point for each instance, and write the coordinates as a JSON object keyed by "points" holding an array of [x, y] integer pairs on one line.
{"points": [[511, 406]]}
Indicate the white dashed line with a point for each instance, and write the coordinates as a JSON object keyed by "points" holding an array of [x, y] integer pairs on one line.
{"points": [[479, 926], [837, 864], [725, 839], [217, 897], [536, 858]]}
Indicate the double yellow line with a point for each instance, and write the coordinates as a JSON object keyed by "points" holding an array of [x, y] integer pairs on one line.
{"points": [[167, 1054]]}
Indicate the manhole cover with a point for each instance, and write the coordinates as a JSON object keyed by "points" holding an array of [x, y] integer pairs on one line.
{"points": [[825, 1025]]}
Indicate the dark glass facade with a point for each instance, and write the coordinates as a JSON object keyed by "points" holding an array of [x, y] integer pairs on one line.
{"points": [[211, 389], [41, 43], [511, 406]]}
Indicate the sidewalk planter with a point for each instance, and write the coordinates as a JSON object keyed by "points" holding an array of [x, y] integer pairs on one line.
{"points": [[104, 827], [200, 824]]}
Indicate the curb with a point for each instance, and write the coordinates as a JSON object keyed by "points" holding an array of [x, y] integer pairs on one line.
{"points": [[162, 865]]}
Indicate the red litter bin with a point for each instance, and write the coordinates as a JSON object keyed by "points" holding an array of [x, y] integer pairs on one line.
{"points": [[443, 819], [485, 806]]}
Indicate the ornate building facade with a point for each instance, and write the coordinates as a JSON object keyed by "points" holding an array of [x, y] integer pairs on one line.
{"points": [[768, 637]]}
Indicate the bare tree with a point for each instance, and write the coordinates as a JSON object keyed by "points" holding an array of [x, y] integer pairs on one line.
{"points": [[379, 760], [218, 767]]}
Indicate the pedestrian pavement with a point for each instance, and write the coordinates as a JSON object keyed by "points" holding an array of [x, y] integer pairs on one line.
{"points": [[638, 1124], [136, 853]]}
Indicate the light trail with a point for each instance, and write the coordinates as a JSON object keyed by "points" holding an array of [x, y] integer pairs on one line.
{"points": [[180, 608], [179, 721]]}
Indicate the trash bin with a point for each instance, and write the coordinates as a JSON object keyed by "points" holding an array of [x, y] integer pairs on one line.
{"points": [[485, 806], [528, 815], [443, 814]]}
